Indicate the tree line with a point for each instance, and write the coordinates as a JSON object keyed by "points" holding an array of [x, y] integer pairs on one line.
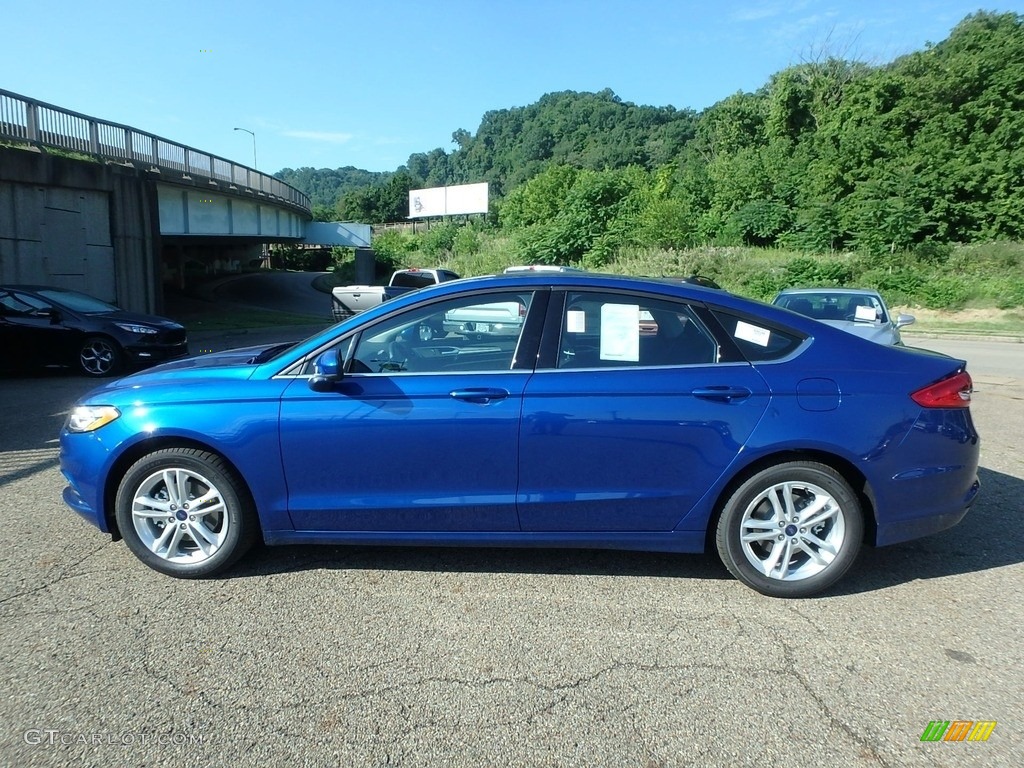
{"points": [[829, 155]]}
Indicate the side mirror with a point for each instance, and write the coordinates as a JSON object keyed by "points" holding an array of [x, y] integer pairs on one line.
{"points": [[902, 320], [326, 371]]}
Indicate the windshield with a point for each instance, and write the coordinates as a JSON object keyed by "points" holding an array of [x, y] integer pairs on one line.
{"points": [[855, 307], [79, 302]]}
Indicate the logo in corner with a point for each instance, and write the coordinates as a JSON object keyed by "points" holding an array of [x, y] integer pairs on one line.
{"points": [[958, 730]]}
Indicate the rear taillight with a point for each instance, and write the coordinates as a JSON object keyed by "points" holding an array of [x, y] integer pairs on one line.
{"points": [[951, 392], [522, 310]]}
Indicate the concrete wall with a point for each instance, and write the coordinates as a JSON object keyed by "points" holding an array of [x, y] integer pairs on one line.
{"points": [[204, 212], [78, 224]]}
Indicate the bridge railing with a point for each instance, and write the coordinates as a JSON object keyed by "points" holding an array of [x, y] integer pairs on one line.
{"points": [[35, 122]]}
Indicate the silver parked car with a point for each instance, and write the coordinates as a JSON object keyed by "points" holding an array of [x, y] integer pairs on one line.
{"points": [[860, 312]]}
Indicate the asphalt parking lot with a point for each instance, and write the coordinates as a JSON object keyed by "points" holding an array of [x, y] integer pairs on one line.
{"points": [[417, 657]]}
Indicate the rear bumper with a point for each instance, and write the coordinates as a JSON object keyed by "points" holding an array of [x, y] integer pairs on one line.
{"points": [[914, 528]]}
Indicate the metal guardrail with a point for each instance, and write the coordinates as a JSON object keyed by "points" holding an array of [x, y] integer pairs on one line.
{"points": [[27, 120]]}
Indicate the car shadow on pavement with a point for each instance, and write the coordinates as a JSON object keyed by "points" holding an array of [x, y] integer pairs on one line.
{"points": [[990, 536], [37, 404], [522, 560]]}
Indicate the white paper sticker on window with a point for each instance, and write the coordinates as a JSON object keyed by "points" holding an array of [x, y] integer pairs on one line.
{"points": [[576, 321], [752, 333], [864, 313], [620, 332]]}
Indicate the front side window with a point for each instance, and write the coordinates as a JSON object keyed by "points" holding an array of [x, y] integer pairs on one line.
{"points": [[79, 302], [602, 330], [470, 333]]}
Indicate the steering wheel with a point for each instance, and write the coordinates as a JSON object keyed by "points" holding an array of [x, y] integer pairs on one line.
{"points": [[399, 352]]}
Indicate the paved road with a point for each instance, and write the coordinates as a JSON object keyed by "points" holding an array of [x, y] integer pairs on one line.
{"points": [[989, 360], [281, 291], [406, 657]]}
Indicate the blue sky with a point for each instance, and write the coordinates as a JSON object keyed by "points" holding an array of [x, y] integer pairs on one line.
{"points": [[331, 84]]}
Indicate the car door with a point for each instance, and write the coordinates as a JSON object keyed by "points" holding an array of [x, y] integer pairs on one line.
{"points": [[635, 419], [421, 433], [31, 333]]}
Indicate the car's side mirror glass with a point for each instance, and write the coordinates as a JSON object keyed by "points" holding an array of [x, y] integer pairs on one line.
{"points": [[326, 371]]}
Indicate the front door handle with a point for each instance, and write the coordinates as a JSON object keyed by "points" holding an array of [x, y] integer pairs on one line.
{"points": [[723, 394], [482, 395]]}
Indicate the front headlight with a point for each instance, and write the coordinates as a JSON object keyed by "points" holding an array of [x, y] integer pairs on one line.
{"points": [[88, 418], [133, 328]]}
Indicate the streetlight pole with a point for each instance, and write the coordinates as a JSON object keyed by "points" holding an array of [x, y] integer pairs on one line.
{"points": [[253, 146]]}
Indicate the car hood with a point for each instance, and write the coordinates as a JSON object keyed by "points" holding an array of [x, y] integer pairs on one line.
{"points": [[232, 363], [134, 317], [880, 334], [178, 379]]}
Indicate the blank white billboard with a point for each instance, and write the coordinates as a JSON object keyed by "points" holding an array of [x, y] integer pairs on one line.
{"points": [[448, 201]]}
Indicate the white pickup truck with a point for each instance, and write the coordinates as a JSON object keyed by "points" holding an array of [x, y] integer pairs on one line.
{"points": [[349, 299]]}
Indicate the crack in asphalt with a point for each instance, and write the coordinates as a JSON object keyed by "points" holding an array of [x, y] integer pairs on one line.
{"points": [[64, 575], [791, 670]]}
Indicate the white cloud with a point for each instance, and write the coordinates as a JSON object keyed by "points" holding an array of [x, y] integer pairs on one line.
{"points": [[767, 10], [327, 136]]}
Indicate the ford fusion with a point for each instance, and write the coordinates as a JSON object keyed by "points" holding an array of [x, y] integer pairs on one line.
{"points": [[623, 413]]}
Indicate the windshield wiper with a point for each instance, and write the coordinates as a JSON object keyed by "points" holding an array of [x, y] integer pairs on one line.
{"points": [[271, 352]]}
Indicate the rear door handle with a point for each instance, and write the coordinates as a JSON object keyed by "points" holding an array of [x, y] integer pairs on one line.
{"points": [[481, 395], [723, 394]]}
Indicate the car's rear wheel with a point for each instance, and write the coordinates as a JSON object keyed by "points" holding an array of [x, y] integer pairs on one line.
{"points": [[185, 512], [791, 530], [99, 356]]}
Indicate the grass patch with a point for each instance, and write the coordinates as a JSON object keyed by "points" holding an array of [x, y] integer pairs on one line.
{"points": [[239, 319], [982, 322], [207, 316]]}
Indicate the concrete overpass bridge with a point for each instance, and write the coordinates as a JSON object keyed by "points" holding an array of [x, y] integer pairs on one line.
{"points": [[124, 214]]}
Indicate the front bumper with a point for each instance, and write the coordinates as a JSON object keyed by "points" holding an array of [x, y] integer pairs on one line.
{"points": [[150, 354]]}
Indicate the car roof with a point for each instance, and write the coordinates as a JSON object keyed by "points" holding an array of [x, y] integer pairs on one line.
{"points": [[570, 275], [795, 291], [540, 268], [668, 287]]}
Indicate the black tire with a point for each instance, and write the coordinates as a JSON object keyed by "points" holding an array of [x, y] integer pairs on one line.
{"points": [[212, 536], [815, 555], [100, 356]]}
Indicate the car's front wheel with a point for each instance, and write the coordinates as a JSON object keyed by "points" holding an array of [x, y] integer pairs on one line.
{"points": [[185, 512], [791, 530], [99, 356]]}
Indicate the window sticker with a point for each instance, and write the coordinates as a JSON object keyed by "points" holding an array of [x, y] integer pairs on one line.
{"points": [[864, 313], [752, 333], [576, 321], [620, 332]]}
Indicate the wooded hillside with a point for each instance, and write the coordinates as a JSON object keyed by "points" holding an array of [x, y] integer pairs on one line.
{"points": [[828, 155]]}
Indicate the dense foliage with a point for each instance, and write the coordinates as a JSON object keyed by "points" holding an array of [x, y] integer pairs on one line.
{"points": [[324, 185], [828, 156]]}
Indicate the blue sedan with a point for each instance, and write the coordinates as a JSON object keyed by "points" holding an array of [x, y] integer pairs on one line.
{"points": [[625, 413]]}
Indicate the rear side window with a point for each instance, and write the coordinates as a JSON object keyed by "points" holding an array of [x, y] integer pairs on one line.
{"points": [[757, 341], [606, 330]]}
